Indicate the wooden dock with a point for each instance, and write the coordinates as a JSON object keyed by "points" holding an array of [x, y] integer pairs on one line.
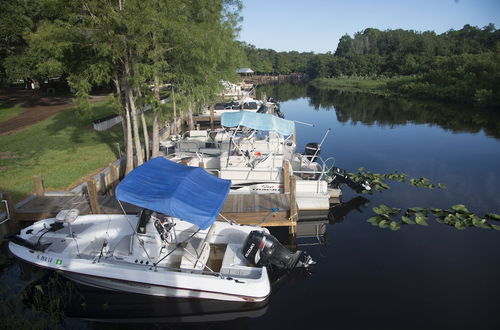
{"points": [[262, 209]]}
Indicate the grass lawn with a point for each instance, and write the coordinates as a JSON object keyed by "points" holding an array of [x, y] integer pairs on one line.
{"points": [[62, 149], [374, 86], [8, 110]]}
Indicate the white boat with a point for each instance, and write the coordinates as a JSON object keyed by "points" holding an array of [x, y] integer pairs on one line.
{"points": [[246, 103], [252, 149], [156, 253]]}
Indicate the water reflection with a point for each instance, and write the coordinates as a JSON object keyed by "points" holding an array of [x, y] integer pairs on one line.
{"points": [[338, 212], [370, 109], [55, 295]]}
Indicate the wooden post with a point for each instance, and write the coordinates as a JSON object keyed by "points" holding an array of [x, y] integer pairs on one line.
{"points": [[286, 176], [201, 164], [92, 191], [212, 117], [294, 138], [37, 181], [13, 223], [293, 200], [113, 179]]}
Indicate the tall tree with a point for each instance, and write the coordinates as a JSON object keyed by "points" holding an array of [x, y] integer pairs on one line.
{"points": [[136, 44]]}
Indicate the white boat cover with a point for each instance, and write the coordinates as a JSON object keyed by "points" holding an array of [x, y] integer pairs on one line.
{"points": [[259, 121]]}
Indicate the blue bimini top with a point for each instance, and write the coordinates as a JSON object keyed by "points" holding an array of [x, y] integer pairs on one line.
{"points": [[259, 121], [185, 192]]}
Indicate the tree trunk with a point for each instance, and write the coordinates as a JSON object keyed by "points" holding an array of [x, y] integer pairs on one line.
{"points": [[144, 129], [190, 114], [130, 150], [175, 112], [135, 127], [133, 115], [146, 135], [155, 148], [127, 128]]}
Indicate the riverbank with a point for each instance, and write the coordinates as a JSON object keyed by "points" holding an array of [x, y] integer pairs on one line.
{"points": [[365, 85], [415, 88], [61, 148]]}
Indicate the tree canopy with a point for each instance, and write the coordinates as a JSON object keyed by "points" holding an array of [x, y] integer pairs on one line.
{"points": [[458, 65], [138, 46]]}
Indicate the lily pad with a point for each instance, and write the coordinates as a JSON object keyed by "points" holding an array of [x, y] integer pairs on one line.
{"points": [[421, 219], [407, 220], [395, 225], [383, 224], [460, 208], [493, 216], [374, 220]]}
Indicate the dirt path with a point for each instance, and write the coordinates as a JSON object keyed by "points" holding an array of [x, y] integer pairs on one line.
{"points": [[35, 109]]}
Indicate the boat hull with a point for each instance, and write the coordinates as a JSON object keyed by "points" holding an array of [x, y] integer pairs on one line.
{"points": [[155, 290]]}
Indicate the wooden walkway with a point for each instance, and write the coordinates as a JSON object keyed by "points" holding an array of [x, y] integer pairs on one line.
{"points": [[262, 209]]}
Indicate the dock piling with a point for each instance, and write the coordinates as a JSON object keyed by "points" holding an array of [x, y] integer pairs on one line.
{"points": [[286, 176], [37, 181], [212, 117], [92, 192]]}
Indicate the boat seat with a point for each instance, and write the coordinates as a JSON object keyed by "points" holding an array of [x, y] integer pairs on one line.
{"points": [[198, 134], [196, 252], [235, 264], [67, 216]]}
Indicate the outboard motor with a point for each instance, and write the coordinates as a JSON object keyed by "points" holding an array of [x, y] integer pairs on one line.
{"points": [[278, 112], [264, 249], [312, 151], [262, 109], [339, 176]]}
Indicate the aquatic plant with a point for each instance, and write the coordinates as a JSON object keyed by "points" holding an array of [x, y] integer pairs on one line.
{"points": [[457, 216], [377, 180], [39, 306]]}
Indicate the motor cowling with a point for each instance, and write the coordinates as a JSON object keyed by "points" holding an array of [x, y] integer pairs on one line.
{"points": [[338, 176], [264, 249], [312, 151], [263, 109]]}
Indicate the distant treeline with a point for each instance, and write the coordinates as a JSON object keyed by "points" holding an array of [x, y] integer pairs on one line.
{"points": [[460, 66], [269, 61]]}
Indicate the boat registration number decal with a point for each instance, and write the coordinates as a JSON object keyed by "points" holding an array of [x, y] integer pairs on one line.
{"points": [[50, 260], [44, 258]]}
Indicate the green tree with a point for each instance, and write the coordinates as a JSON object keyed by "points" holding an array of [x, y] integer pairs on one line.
{"points": [[136, 44]]}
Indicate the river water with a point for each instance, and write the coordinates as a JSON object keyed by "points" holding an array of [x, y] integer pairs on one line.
{"points": [[434, 277], [366, 277]]}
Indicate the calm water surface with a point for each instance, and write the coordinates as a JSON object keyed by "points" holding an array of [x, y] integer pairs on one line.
{"points": [[434, 277]]}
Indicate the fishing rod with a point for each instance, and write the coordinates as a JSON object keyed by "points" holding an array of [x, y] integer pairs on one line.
{"points": [[301, 122], [319, 148]]}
